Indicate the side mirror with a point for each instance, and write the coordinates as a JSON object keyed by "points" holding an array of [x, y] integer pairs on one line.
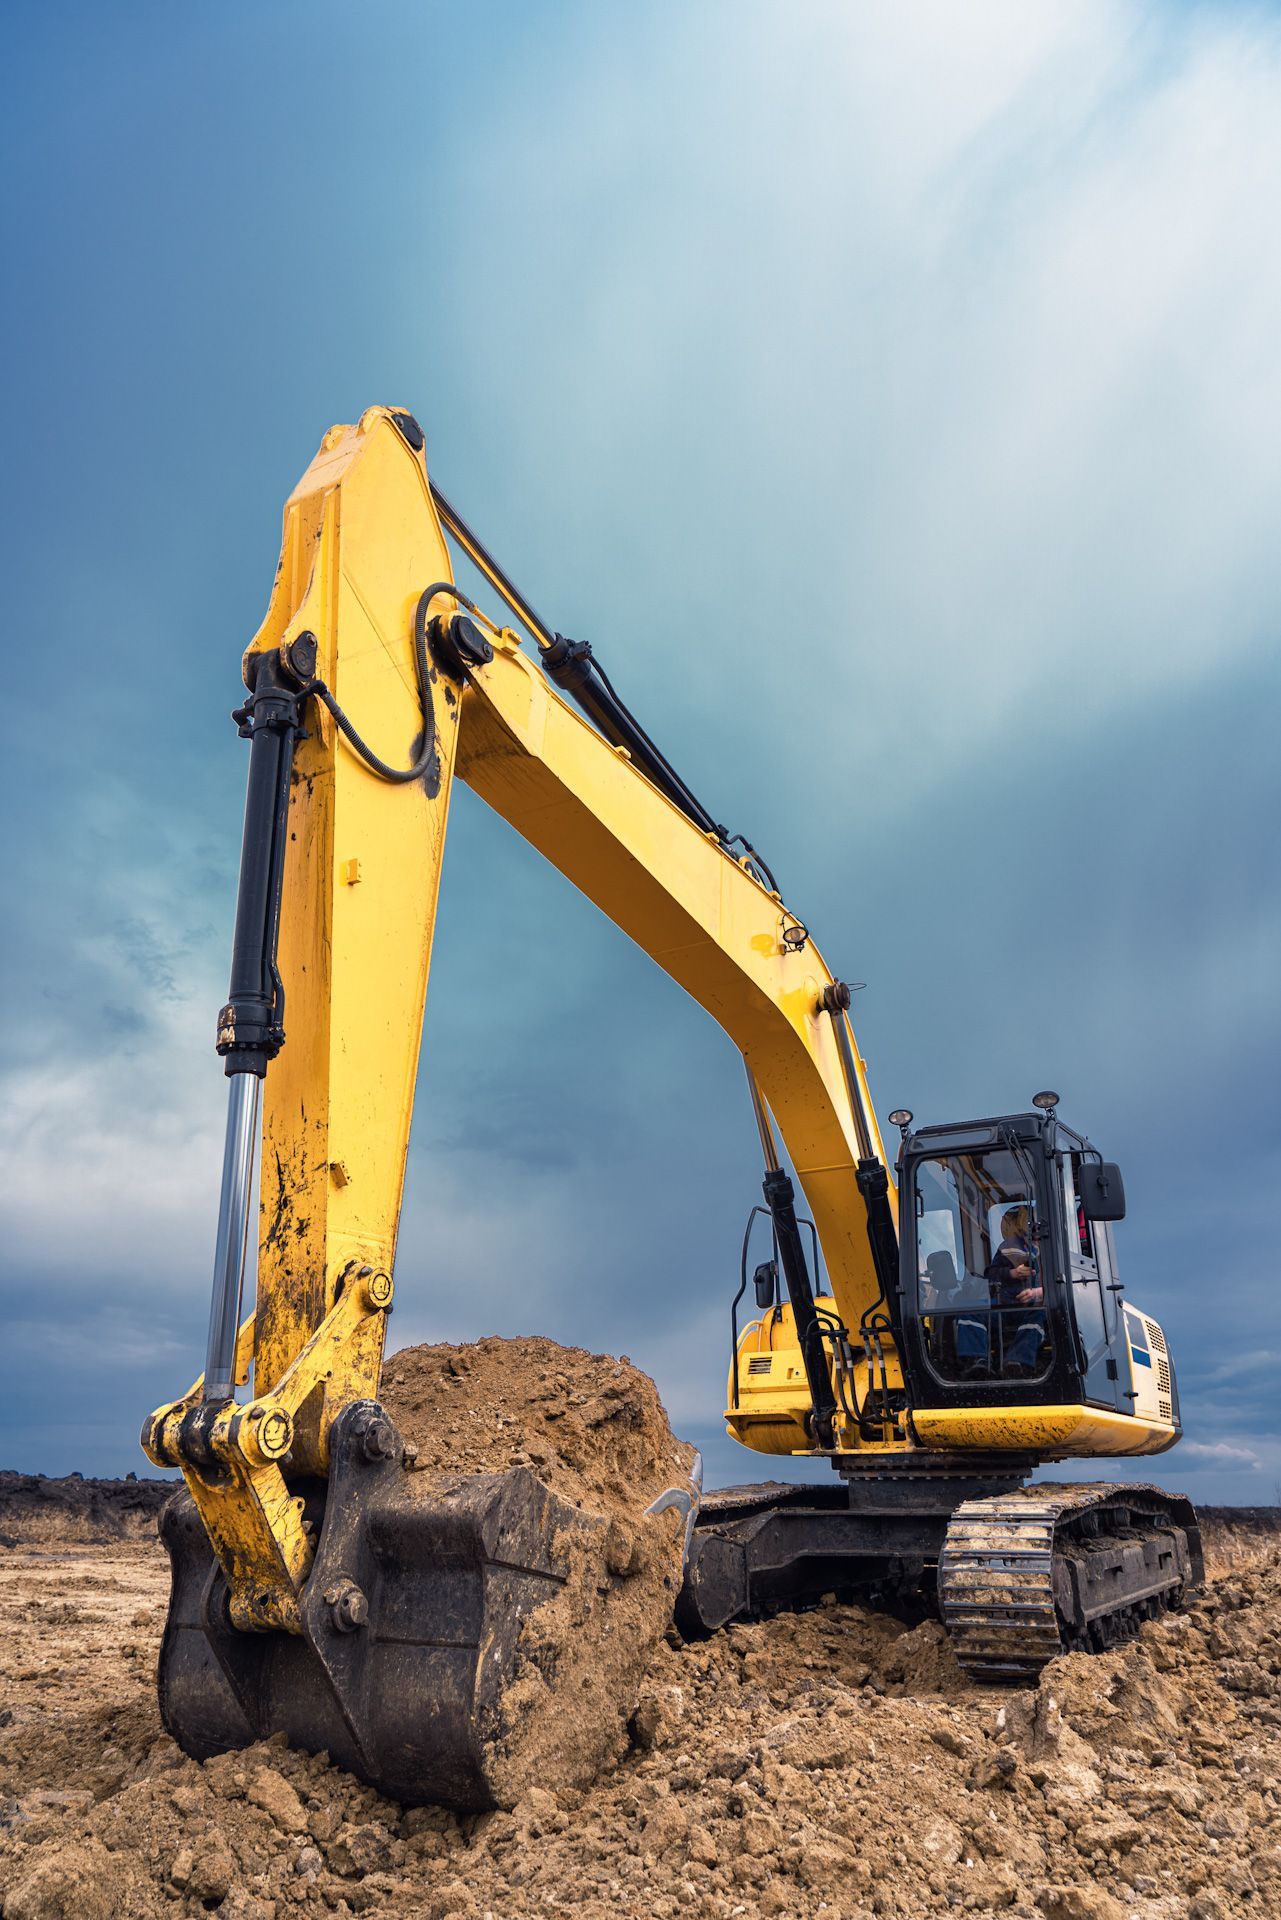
{"points": [[765, 1281], [1102, 1190]]}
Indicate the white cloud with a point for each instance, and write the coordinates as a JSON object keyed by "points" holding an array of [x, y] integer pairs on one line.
{"points": [[108, 1164], [1247, 1365], [1220, 1453]]}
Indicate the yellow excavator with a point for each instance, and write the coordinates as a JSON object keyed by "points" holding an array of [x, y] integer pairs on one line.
{"points": [[947, 1318]]}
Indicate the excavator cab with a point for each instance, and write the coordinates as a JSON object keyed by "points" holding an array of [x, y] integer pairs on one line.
{"points": [[1000, 1341], [1010, 1297]]}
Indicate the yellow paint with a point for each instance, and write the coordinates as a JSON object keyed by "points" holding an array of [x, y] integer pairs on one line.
{"points": [[362, 873], [255, 1527], [773, 1397], [361, 541], [696, 912], [1056, 1432], [253, 1521]]}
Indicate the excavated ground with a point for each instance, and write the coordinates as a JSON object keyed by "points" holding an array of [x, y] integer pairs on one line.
{"points": [[831, 1763]]}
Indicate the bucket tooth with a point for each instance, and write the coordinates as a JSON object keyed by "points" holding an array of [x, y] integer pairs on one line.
{"points": [[411, 1623]]}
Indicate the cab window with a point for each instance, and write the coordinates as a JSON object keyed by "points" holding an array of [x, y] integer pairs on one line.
{"points": [[980, 1296]]}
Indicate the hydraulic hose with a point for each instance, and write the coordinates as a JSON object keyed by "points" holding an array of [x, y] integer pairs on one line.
{"points": [[400, 775]]}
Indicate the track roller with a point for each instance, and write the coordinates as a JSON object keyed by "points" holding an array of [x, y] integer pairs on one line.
{"points": [[1052, 1569]]}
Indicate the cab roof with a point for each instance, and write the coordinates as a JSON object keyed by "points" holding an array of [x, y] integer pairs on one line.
{"points": [[1031, 1125]]}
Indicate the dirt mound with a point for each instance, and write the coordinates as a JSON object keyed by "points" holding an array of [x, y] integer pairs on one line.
{"points": [[828, 1763], [1238, 1536], [834, 1763], [76, 1510], [592, 1429]]}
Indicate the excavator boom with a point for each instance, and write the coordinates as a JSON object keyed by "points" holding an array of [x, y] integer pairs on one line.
{"points": [[370, 690], [315, 1590]]}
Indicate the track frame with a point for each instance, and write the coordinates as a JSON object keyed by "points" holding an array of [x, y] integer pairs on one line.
{"points": [[1020, 1573]]}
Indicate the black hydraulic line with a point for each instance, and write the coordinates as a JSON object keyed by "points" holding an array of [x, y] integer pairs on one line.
{"points": [[834, 1330], [757, 859], [575, 670], [733, 1305], [427, 741], [251, 1024], [870, 1174], [882, 1237], [780, 1198], [573, 667], [485, 562]]}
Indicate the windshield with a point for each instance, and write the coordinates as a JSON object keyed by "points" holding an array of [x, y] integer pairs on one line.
{"points": [[980, 1292]]}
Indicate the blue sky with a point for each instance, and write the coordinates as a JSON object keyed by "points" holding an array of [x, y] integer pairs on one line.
{"points": [[893, 398]]}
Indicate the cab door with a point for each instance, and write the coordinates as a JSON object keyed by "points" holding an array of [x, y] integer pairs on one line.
{"points": [[1094, 1295]]}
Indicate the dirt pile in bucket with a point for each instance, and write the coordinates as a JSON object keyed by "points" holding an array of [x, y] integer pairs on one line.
{"points": [[832, 1764], [590, 1426], [593, 1430]]}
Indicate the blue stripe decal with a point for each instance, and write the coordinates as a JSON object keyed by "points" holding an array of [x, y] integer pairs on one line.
{"points": [[1141, 1354]]}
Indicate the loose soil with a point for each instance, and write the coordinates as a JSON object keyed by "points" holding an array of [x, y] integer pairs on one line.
{"points": [[832, 1763]]}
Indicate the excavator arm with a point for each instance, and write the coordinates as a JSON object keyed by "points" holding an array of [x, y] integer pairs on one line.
{"points": [[364, 653], [315, 1591]]}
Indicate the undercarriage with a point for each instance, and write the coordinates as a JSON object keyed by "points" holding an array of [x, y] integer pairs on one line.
{"points": [[1019, 1573]]}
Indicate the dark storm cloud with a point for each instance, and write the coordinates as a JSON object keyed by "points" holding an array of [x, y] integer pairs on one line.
{"points": [[913, 464]]}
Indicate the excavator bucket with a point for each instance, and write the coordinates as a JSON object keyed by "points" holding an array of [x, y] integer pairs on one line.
{"points": [[414, 1622]]}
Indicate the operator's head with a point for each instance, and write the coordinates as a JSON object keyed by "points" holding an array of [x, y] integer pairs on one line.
{"points": [[1014, 1223]]}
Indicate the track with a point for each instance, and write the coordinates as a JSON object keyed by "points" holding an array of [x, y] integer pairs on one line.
{"points": [[1023, 1573], [777, 1547], [1024, 1576]]}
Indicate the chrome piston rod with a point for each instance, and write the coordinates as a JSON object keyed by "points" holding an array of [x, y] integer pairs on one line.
{"points": [[233, 1231], [251, 1025]]}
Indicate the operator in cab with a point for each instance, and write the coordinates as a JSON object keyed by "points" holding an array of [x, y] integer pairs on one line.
{"points": [[1013, 1279]]}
